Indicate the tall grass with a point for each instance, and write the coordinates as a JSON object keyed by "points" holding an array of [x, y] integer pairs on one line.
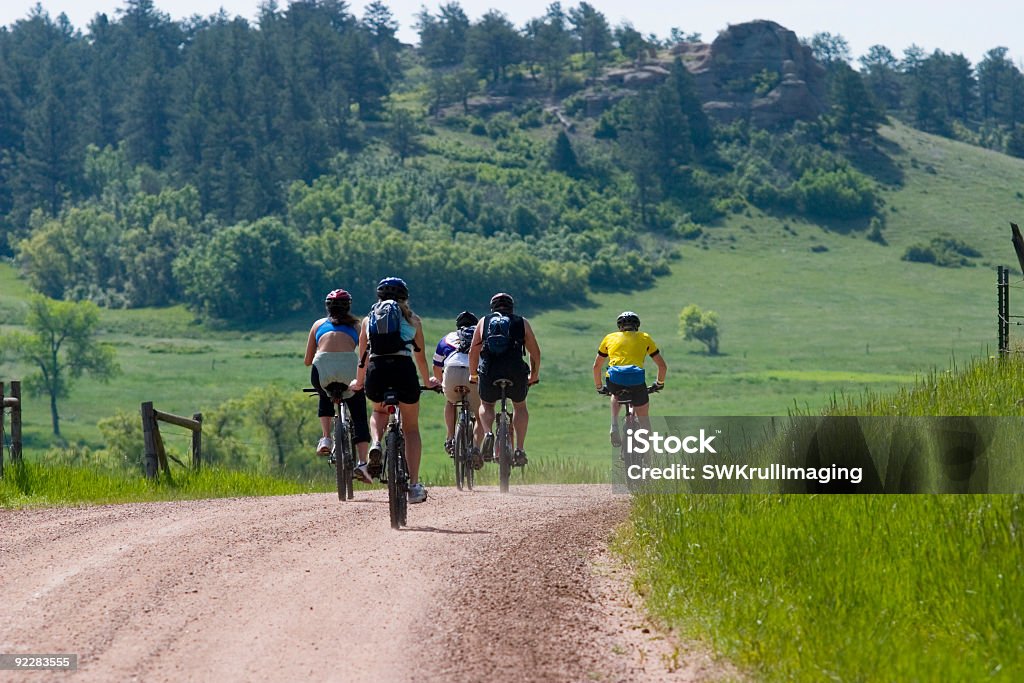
{"points": [[41, 484], [867, 588]]}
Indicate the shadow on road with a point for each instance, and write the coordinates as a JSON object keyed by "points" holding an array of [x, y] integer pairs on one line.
{"points": [[435, 530]]}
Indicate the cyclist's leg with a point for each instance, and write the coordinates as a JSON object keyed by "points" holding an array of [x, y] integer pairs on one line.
{"points": [[520, 421], [642, 406], [360, 426], [411, 431], [449, 421], [325, 408]]}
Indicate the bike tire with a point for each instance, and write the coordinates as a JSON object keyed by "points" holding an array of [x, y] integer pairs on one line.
{"points": [[403, 486], [342, 460], [503, 442], [628, 457], [469, 474], [459, 454], [394, 485]]}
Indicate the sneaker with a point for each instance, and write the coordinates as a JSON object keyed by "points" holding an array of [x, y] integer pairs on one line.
{"points": [[519, 458], [449, 446], [487, 447], [362, 473], [323, 447], [477, 459], [417, 494], [376, 465], [616, 439]]}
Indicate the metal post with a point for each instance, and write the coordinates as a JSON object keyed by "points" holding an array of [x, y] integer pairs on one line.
{"points": [[16, 423], [1002, 320]]}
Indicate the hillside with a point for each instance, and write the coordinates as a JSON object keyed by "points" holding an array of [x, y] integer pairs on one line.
{"points": [[798, 325]]}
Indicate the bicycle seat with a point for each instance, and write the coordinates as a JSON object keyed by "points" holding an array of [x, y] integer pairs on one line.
{"points": [[391, 398], [503, 383], [338, 391], [462, 389]]}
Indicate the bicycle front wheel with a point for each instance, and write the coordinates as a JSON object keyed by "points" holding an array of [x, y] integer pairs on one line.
{"points": [[503, 444]]}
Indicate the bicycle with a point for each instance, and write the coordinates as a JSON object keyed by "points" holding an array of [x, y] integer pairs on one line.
{"points": [[462, 453], [631, 423], [396, 469], [342, 456]]}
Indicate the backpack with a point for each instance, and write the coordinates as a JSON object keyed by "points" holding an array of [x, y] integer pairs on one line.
{"points": [[626, 375], [498, 339], [385, 328], [465, 335]]}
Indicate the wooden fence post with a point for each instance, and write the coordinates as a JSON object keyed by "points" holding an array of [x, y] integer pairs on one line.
{"points": [[3, 404], [16, 423], [148, 427], [197, 442]]}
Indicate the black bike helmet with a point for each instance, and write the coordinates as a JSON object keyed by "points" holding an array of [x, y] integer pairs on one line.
{"points": [[628, 321], [503, 301], [392, 288], [466, 319]]}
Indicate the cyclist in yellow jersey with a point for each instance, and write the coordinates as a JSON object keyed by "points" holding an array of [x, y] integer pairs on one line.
{"points": [[625, 352]]}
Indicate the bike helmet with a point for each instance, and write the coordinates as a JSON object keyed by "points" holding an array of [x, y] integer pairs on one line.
{"points": [[338, 296], [503, 302], [392, 288], [628, 320], [466, 319]]}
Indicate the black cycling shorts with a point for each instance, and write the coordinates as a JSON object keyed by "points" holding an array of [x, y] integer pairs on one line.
{"points": [[637, 393], [392, 373], [515, 393], [356, 406]]}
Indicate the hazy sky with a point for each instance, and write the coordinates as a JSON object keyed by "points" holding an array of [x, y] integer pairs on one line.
{"points": [[971, 28]]}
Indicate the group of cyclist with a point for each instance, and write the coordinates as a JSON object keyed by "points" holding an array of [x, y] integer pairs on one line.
{"points": [[375, 355]]}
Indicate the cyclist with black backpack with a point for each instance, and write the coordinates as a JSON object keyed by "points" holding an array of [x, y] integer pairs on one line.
{"points": [[391, 352], [500, 342], [451, 368]]}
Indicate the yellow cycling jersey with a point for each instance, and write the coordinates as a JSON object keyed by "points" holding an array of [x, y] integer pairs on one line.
{"points": [[627, 348]]}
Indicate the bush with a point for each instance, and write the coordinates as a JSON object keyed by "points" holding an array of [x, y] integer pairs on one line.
{"points": [[945, 251], [839, 194]]}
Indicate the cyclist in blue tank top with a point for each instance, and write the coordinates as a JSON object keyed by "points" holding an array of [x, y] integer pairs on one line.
{"points": [[331, 353]]}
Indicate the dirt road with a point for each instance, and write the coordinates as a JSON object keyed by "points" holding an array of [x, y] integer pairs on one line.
{"points": [[479, 587]]}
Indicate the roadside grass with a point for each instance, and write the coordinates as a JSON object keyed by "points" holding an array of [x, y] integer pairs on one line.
{"points": [[50, 484], [809, 588], [865, 588]]}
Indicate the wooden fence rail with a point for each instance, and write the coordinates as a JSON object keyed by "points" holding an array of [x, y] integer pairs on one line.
{"points": [[156, 454], [12, 402]]}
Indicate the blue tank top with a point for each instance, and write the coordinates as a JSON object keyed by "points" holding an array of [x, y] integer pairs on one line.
{"points": [[327, 326]]}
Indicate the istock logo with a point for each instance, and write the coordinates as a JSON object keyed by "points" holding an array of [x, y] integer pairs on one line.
{"points": [[643, 441]]}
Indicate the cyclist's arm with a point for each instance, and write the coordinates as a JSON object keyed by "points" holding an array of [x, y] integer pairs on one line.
{"points": [[474, 349], [532, 348], [311, 345], [662, 366], [363, 344], [437, 373], [598, 366]]}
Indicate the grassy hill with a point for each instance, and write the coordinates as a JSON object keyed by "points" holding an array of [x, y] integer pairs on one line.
{"points": [[806, 312]]}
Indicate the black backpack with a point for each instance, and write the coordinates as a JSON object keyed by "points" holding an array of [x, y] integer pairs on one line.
{"points": [[499, 338], [385, 328]]}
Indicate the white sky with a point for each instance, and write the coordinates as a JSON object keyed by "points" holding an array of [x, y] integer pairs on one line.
{"points": [[971, 28]]}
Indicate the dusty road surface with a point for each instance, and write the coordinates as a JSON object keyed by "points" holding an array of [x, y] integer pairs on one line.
{"points": [[481, 586]]}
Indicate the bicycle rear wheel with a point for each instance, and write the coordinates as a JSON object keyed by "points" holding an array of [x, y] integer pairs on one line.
{"points": [[629, 458], [464, 453], [391, 471], [503, 444], [342, 460]]}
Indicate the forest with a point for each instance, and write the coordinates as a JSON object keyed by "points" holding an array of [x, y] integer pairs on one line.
{"points": [[242, 167]]}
